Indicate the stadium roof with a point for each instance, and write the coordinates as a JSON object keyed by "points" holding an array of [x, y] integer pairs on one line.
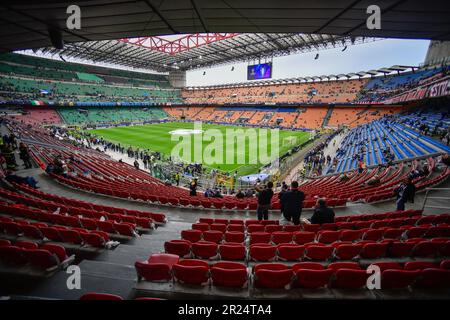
{"points": [[268, 26], [162, 55], [371, 73]]}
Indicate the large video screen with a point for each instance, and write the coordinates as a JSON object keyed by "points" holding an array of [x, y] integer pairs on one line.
{"points": [[259, 71]]}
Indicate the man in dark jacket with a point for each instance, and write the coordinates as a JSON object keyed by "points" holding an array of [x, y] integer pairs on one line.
{"points": [[284, 189], [405, 192], [264, 198], [322, 214], [292, 203]]}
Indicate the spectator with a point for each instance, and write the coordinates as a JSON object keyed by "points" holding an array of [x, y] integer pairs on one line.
{"points": [[322, 214], [136, 164], [374, 180], [405, 192], [343, 177], [24, 154], [193, 188], [21, 180], [265, 195], [177, 179], [284, 189], [240, 194], [292, 203]]}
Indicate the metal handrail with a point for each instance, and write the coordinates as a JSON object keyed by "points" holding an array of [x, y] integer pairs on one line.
{"points": [[440, 198]]}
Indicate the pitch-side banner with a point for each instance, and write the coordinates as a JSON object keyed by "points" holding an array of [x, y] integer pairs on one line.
{"points": [[438, 89]]}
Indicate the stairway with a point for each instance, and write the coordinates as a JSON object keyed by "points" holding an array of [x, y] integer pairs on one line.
{"points": [[327, 117]]}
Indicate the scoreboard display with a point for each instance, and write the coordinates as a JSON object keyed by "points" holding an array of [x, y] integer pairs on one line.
{"points": [[259, 71]]}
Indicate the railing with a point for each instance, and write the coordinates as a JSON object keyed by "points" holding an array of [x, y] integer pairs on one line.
{"points": [[427, 197]]}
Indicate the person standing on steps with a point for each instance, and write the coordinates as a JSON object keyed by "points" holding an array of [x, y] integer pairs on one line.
{"points": [[405, 192], [265, 195], [292, 203], [24, 154]]}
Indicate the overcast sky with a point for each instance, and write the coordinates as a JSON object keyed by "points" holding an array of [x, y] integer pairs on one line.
{"points": [[362, 57]]}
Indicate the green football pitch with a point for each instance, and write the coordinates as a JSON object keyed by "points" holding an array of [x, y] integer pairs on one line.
{"points": [[228, 154]]}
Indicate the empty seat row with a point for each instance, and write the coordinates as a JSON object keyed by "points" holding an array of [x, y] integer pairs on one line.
{"points": [[250, 226], [327, 237], [310, 251], [167, 267], [94, 220], [80, 205], [109, 227], [22, 253], [40, 231], [380, 216]]}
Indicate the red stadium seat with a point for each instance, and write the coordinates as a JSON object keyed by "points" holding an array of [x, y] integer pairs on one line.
{"points": [[191, 271], [236, 228], [157, 268], [26, 244], [12, 228], [426, 248], [71, 236], [292, 228], [56, 249], [232, 251], [328, 236], [204, 250], [303, 237], [416, 232], [234, 236], [351, 235], [311, 227], [93, 240], [311, 278], [347, 251], [373, 234], [393, 233], [272, 275], [41, 258], [191, 235], [213, 236], [290, 252], [433, 278], [445, 264], [200, 226], [51, 233], [387, 265], [255, 228], [273, 228], [229, 274], [350, 279], [106, 226], [344, 265], [262, 252], [5, 243], [181, 248], [100, 296], [308, 265], [394, 279], [319, 253], [32, 232], [124, 229], [401, 249], [329, 227], [280, 237], [13, 255], [219, 227], [419, 265], [374, 250], [260, 237], [88, 223]]}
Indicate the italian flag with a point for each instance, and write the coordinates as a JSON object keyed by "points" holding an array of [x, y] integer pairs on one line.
{"points": [[37, 103]]}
